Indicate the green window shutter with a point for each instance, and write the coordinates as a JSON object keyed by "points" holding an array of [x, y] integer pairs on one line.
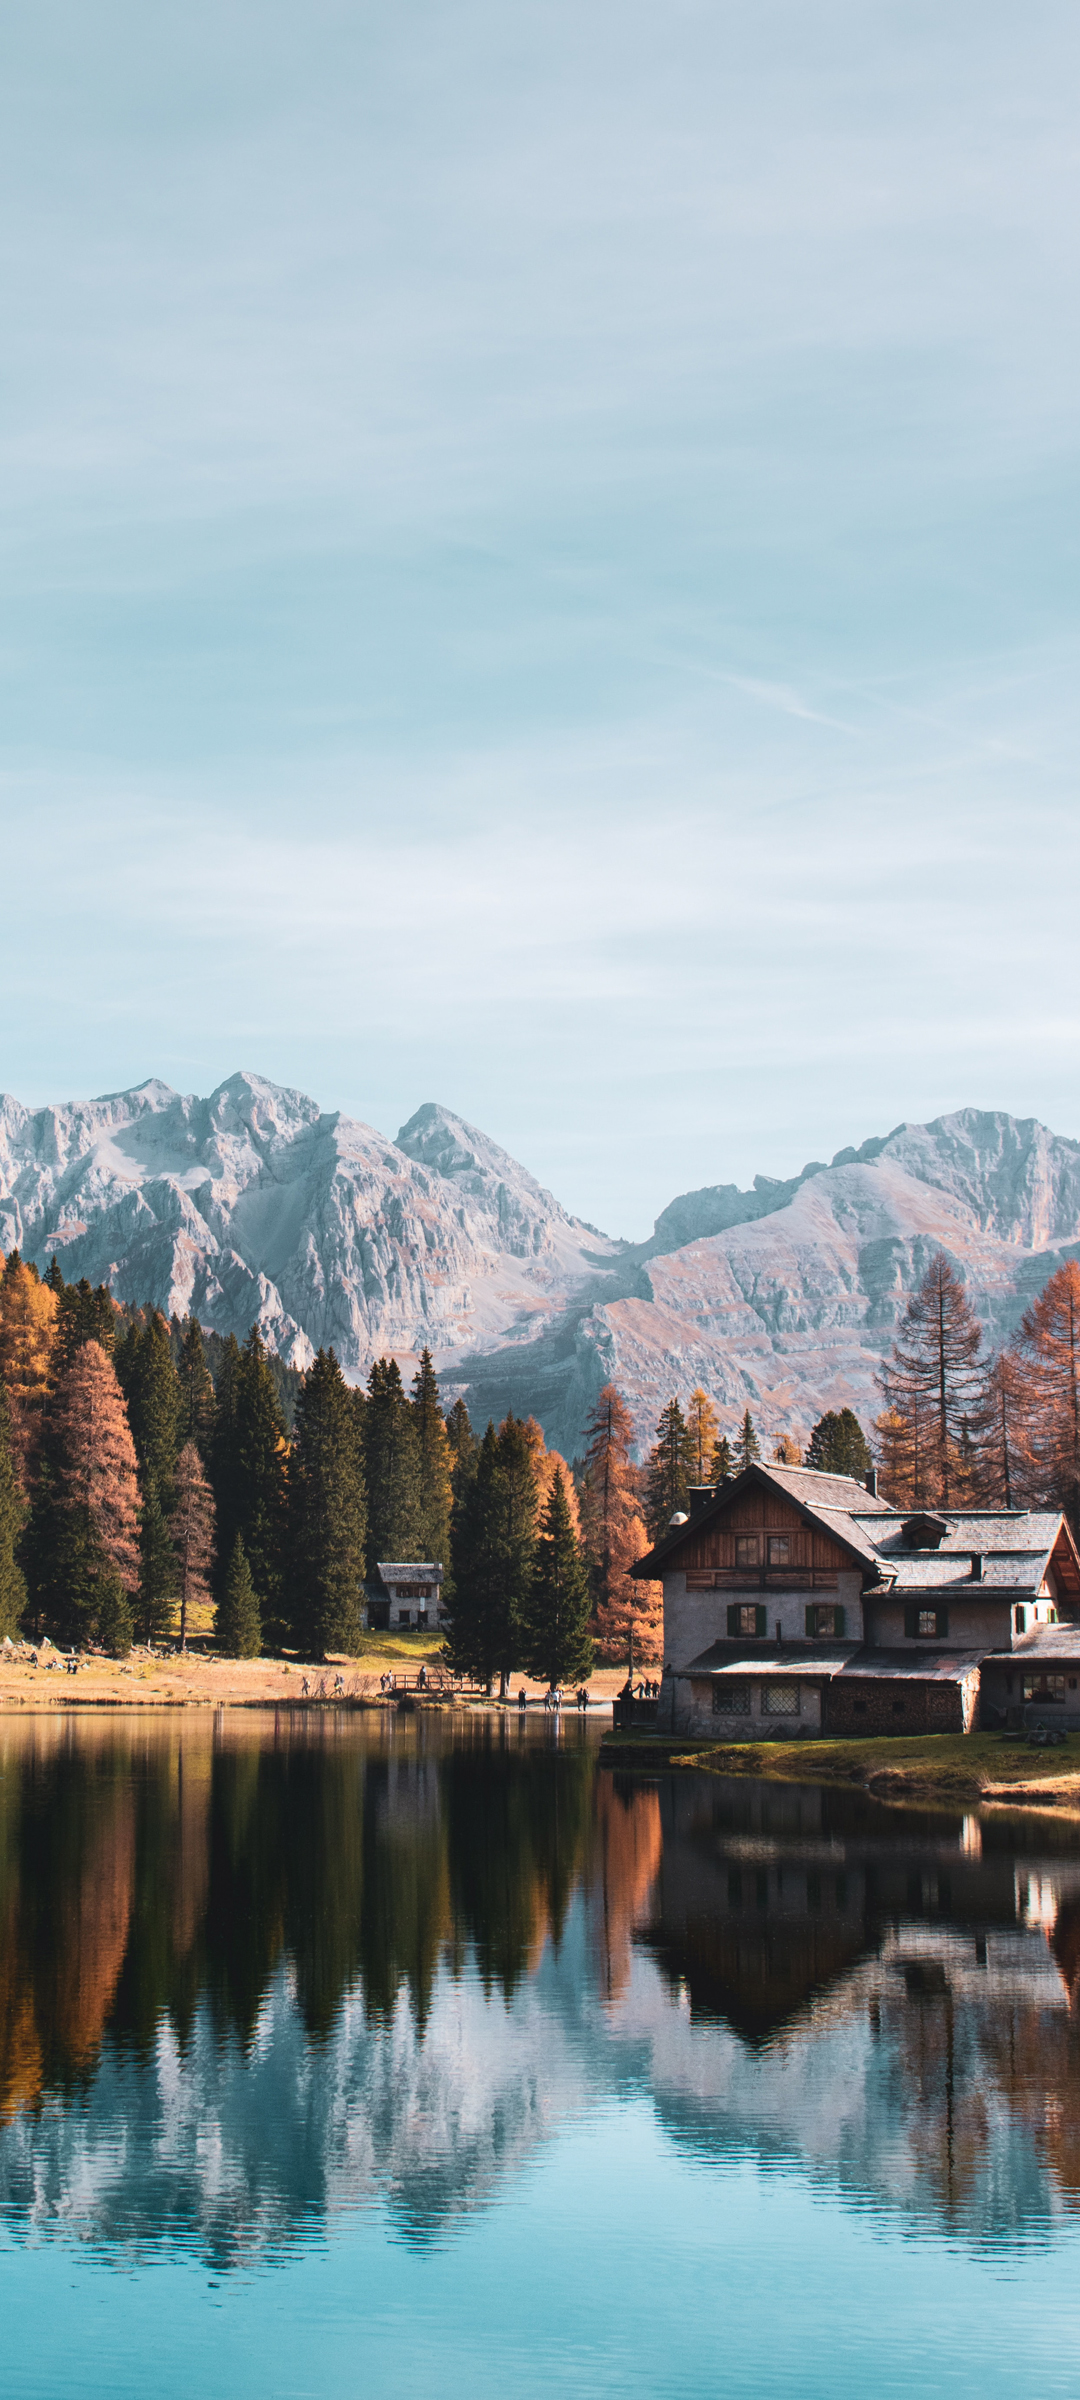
{"points": [[811, 1621], [942, 1623], [911, 1623], [762, 1619], [838, 1618], [733, 1617]]}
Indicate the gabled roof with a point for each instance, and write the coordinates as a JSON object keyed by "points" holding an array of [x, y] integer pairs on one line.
{"points": [[412, 1567], [829, 1501]]}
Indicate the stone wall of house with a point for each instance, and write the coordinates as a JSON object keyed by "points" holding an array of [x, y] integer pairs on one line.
{"points": [[693, 1712], [979, 1619], [870, 1704], [693, 1620]]}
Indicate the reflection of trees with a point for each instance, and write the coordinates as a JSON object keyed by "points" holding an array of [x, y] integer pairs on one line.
{"points": [[517, 1819]]}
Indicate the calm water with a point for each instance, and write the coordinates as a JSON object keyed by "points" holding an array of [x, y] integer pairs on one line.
{"points": [[359, 2056]]}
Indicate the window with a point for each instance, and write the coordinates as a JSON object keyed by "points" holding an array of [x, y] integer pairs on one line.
{"points": [[927, 1620], [1021, 1617], [780, 1700], [731, 1699], [1045, 1690], [746, 1620], [824, 1622], [746, 1550], [779, 1550], [923, 1624]]}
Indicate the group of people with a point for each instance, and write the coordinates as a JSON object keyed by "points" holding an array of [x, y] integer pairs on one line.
{"points": [[553, 1698], [639, 1691]]}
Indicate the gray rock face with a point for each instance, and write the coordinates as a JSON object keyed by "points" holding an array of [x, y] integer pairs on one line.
{"points": [[256, 1206]]}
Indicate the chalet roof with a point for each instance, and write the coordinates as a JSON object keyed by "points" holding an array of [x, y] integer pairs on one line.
{"points": [[411, 1567], [814, 1490], [826, 1500], [1044, 1646], [826, 1660], [1013, 1544]]}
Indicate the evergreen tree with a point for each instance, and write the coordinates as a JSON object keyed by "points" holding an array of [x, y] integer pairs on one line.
{"points": [[192, 1530], [197, 1407], [237, 1622], [327, 1516], [555, 1626], [157, 1570], [932, 1380], [392, 1469], [668, 1471], [1004, 1475], [115, 1624], [462, 1440], [747, 1447], [151, 1388], [493, 1547], [85, 1313], [54, 1278], [838, 1446], [722, 1465], [249, 1456], [12, 1516], [702, 1434], [435, 1459], [224, 1461]]}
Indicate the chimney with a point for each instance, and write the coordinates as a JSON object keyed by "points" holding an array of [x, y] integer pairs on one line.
{"points": [[871, 1483], [976, 1566]]}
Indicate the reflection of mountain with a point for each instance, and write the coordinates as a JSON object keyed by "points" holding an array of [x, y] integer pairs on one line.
{"points": [[250, 1980]]}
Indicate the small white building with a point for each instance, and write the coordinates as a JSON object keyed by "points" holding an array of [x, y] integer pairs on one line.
{"points": [[408, 1594]]}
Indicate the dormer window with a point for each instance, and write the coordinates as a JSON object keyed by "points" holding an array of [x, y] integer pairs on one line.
{"points": [[924, 1531]]}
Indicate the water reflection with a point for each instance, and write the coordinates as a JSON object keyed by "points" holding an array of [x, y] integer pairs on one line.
{"points": [[256, 1973]]}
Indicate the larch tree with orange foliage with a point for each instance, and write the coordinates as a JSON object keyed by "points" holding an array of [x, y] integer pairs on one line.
{"points": [[91, 1496], [28, 1310], [1049, 1345], [546, 1465], [614, 1535]]}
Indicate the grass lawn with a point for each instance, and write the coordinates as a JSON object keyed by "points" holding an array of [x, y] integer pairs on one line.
{"points": [[932, 1766]]}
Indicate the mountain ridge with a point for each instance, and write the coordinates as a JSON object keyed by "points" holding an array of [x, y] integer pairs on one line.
{"points": [[256, 1205]]}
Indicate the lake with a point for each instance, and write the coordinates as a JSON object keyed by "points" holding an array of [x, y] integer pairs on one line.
{"points": [[357, 2054]]}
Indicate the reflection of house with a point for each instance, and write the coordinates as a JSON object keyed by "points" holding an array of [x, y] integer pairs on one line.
{"points": [[800, 1603], [407, 1592]]}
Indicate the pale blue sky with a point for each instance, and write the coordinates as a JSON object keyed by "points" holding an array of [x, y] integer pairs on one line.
{"points": [[540, 566]]}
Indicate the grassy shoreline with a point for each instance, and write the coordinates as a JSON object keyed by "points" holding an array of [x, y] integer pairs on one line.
{"points": [[980, 1768]]}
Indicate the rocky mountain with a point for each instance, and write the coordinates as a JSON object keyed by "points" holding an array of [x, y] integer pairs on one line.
{"points": [[256, 1205]]}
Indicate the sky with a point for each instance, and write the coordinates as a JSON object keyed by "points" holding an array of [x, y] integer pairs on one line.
{"points": [[540, 567]]}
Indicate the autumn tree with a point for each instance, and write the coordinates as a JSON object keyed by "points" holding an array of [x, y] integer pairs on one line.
{"points": [[1049, 1345], [546, 1465], [435, 1461], [1005, 1468], [12, 1518], [838, 1446], [788, 1452], [28, 1312], [626, 1612], [87, 1551], [492, 1552], [932, 1381], [392, 1468], [192, 1529], [747, 1445], [327, 1516], [702, 1435], [555, 1619], [237, 1620], [668, 1470]]}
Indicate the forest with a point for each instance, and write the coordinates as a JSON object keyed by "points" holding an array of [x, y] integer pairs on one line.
{"points": [[151, 1471]]}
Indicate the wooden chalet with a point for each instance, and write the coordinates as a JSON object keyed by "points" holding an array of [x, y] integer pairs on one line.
{"points": [[801, 1603]]}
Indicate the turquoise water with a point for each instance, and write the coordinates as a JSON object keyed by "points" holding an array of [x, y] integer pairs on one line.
{"points": [[360, 2056]]}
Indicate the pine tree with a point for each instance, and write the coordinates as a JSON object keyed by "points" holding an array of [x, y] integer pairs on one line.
{"points": [[192, 1530], [249, 1467], [555, 1621], [462, 1439], [932, 1380], [197, 1407], [115, 1623], [702, 1434], [158, 1577], [54, 1278], [237, 1622], [85, 1313], [28, 1315], [838, 1446], [224, 1460], [12, 1517], [151, 1388], [392, 1468], [1049, 1344], [747, 1446], [668, 1472], [327, 1516], [435, 1459], [722, 1463], [494, 1543]]}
